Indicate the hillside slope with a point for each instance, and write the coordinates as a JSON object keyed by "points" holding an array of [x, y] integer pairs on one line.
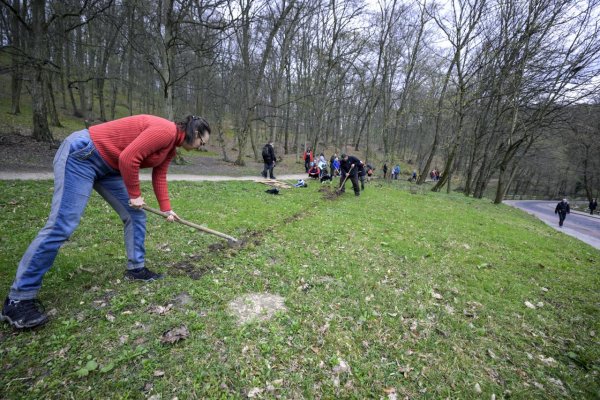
{"points": [[391, 294]]}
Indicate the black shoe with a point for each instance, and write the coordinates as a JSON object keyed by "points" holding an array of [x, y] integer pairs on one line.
{"points": [[272, 177], [357, 194], [142, 274], [23, 314], [264, 174]]}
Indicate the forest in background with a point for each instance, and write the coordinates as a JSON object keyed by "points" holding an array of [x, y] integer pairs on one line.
{"points": [[496, 94]]}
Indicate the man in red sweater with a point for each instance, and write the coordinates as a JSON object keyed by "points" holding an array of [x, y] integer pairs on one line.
{"points": [[106, 158]]}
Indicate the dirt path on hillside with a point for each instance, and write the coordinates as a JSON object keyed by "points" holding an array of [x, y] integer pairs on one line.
{"points": [[38, 176], [23, 158]]}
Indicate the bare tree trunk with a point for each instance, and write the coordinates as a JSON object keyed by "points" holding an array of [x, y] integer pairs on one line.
{"points": [[288, 105], [251, 92], [49, 93], [41, 131], [16, 83], [438, 123], [17, 42]]}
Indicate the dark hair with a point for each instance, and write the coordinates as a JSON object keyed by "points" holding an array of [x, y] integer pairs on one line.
{"points": [[193, 127]]}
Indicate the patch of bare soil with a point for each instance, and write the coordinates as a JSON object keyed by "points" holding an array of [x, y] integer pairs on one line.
{"points": [[330, 193], [193, 267], [22, 154], [256, 307]]}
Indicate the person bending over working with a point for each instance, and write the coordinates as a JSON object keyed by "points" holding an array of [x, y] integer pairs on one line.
{"points": [[107, 158], [350, 166]]}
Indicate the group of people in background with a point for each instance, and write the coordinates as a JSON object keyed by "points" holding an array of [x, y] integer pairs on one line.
{"points": [[319, 168], [345, 166], [351, 168], [394, 173]]}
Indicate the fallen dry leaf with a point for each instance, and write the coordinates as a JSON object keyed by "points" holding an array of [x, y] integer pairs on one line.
{"points": [[252, 393], [140, 340], [549, 361], [529, 305], [558, 382], [175, 335], [436, 295], [160, 310], [341, 367]]}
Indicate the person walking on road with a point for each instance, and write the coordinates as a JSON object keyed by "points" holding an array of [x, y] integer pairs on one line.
{"points": [[562, 209], [268, 155], [593, 205], [107, 158]]}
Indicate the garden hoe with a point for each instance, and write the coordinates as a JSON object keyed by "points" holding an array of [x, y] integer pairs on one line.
{"points": [[344, 181], [231, 241]]}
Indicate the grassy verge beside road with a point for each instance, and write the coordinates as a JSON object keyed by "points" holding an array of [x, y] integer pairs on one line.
{"points": [[388, 295]]}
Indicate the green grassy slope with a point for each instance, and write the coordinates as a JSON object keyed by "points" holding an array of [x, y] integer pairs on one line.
{"points": [[389, 294]]}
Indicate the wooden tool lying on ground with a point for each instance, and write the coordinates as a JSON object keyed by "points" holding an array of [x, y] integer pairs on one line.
{"points": [[230, 239], [274, 183]]}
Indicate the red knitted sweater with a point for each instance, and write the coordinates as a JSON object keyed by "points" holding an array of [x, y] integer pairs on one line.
{"points": [[140, 141]]}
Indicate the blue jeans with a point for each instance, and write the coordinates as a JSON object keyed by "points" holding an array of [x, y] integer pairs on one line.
{"points": [[78, 167]]}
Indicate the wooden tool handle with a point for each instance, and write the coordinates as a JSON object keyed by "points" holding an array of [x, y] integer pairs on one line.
{"points": [[191, 224]]}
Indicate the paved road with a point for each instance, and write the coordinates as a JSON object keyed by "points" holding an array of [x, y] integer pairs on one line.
{"points": [[579, 225]]}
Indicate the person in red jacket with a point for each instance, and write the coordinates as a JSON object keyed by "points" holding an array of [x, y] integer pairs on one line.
{"points": [[307, 156], [106, 158], [314, 171]]}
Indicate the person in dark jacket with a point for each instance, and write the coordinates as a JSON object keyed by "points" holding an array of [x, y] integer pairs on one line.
{"points": [[268, 155], [562, 209], [593, 206], [349, 166], [385, 169], [362, 173]]}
